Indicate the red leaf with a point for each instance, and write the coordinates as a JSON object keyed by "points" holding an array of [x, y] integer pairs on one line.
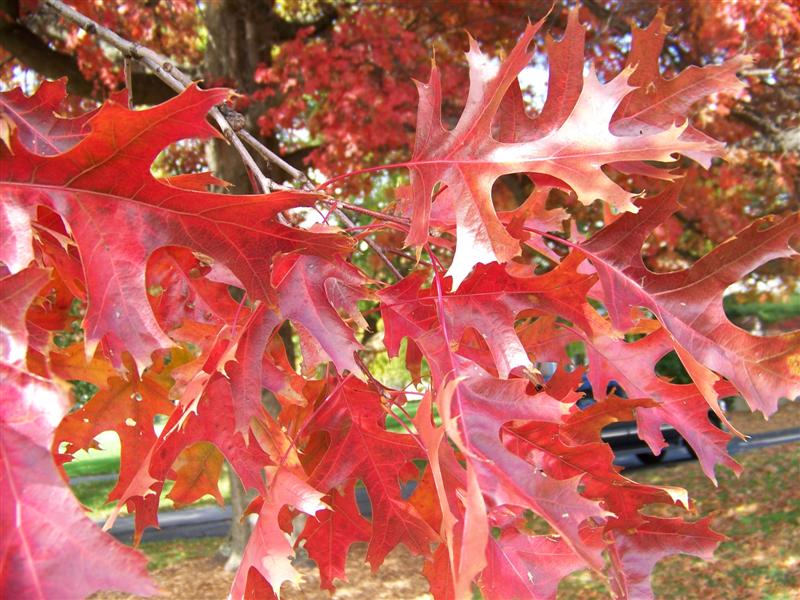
{"points": [[246, 372], [16, 294], [38, 127], [310, 292], [689, 302], [488, 301], [329, 535], [208, 419], [43, 525], [523, 566], [361, 448], [658, 102], [197, 471], [635, 554], [682, 406], [437, 571], [179, 290], [466, 161], [464, 526], [117, 222], [128, 408], [558, 455], [474, 411], [268, 550]]}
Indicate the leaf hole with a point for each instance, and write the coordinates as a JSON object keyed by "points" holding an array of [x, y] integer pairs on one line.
{"points": [[185, 156], [766, 301], [670, 367], [510, 191]]}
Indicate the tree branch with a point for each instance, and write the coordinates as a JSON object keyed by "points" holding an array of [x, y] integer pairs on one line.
{"points": [[228, 121], [33, 52], [372, 244], [165, 71]]}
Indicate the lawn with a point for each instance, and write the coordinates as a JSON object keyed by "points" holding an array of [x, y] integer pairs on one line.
{"points": [[164, 554], [760, 513], [96, 462], [96, 473]]}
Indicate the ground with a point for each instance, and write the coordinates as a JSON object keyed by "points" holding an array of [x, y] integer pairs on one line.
{"points": [[760, 513], [399, 578], [750, 423]]}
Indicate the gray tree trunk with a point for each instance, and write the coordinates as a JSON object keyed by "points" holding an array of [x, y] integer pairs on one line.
{"points": [[241, 35], [231, 59], [241, 528]]}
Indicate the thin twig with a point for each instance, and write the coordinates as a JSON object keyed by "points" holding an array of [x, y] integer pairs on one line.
{"points": [[167, 72], [366, 211], [301, 177], [273, 158], [376, 248], [127, 67], [413, 259]]}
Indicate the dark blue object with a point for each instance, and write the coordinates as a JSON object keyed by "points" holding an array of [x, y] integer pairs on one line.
{"points": [[623, 436]]}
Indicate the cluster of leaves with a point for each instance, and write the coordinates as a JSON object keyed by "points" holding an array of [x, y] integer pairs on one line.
{"points": [[760, 177], [493, 449], [283, 55]]}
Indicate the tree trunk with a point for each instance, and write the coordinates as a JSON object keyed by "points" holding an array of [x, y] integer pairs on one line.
{"points": [[241, 34], [240, 525]]}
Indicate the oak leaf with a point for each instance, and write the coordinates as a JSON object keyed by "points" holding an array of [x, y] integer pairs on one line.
{"points": [[329, 535], [43, 524], [571, 144], [688, 302], [359, 447], [117, 222]]}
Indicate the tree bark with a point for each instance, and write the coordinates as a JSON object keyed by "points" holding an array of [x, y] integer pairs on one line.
{"points": [[224, 65], [241, 529], [241, 34]]}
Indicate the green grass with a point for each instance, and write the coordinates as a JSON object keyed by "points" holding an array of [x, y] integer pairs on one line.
{"points": [[400, 422], [104, 461], [165, 554], [760, 514], [100, 463], [768, 312], [93, 495]]}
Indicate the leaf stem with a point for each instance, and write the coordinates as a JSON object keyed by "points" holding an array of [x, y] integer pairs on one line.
{"points": [[372, 244], [555, 238], [402, 221]]}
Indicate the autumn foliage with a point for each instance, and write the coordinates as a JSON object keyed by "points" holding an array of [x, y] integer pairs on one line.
{"points": [[493, 448]]}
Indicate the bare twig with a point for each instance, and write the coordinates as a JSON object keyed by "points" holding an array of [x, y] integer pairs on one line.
{"points": [[164, 70], [270, 156], [410, 257], [366, 211], [127, 68], [230, 122], [372, 244]]}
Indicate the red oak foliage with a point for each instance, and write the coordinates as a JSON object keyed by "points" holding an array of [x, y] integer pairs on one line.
{"points": [[156, 263]]}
